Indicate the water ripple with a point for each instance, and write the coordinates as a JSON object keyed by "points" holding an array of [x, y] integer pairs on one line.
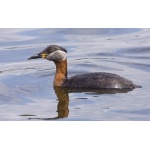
{"points": [[27, 86]]}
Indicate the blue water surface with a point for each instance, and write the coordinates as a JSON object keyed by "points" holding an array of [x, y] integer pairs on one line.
{"points": [[26, 86]]}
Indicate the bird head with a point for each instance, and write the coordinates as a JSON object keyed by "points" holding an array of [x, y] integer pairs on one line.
{"points": [[52, 53]]}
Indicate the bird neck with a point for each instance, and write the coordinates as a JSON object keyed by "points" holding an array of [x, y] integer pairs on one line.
{"points": [[61, 72]]}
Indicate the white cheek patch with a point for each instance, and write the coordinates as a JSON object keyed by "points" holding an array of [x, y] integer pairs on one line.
{"points": [[56, 56]]}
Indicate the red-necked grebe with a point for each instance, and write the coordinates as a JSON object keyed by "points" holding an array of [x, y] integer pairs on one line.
{"points": [[97, 80]]}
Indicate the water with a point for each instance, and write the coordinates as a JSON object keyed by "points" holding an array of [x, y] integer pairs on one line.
{"points": [[26, 86]]}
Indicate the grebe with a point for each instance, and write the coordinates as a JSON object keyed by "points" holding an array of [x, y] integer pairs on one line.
{"points": [[97, 80]]}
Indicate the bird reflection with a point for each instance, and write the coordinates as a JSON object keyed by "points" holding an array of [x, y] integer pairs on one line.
{"points": [[62, 106], [63, 102], [63, 99]]}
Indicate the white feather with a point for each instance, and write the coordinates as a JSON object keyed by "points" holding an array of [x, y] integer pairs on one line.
{"points": [[56, 56]]}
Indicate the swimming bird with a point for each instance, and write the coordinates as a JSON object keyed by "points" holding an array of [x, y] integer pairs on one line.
{"points": [[97, 80]]}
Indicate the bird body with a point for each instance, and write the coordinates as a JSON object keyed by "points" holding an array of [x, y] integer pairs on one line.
{"points": [[100, 80], [97, 80]]}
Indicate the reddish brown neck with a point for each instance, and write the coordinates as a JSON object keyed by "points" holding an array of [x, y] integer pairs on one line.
{"points": [[61, 73]]}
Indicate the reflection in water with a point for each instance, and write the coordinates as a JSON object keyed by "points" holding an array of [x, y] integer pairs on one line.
{"points": [[63, 102], [63, 98], [62, 106]]}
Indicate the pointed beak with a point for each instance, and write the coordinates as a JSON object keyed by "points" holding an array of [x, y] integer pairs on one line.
{"points": [[35, 56], [38, 56]]}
